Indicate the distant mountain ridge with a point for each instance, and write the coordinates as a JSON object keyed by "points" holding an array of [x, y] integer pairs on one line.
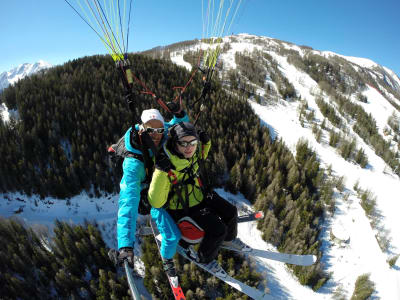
{"points": [[26, 69], [265, 44]]}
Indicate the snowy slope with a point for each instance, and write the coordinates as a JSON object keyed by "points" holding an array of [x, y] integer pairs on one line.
{"points": [[77, 210], [362, 254], [4, 114]]}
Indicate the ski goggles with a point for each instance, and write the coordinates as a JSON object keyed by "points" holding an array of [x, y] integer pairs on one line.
{"points": [[155, 130], [185, 144]]}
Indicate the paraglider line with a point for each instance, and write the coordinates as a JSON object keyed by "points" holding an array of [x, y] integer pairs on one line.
{"points": [[87, 22], [109, 26], [129, 21], [120, 24], [102, 27]]}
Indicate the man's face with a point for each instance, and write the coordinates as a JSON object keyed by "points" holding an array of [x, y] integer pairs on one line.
{"points": [[151, 128]]}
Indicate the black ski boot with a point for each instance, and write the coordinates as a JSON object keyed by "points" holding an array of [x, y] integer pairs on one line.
{"points": [[191, 253], [169, 267]]}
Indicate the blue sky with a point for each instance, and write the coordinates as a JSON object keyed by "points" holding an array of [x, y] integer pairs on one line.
{"points": [[50, 30]]}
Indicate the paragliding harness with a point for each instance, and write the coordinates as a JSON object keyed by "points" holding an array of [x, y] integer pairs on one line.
{"points": [[191, 232], [141, 141], [118, 152]]}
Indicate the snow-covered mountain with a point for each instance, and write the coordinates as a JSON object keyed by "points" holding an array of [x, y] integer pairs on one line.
{"points": [[352, 242], [285, 92], [285, 84], [12, 76]]}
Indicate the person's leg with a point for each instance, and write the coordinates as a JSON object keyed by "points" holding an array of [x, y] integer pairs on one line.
{"points": [[226, 211], [215, 231], [168, 230]]}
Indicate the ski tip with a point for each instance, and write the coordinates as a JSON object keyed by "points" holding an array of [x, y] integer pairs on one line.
{"points": [[176, 288], [259, 215], [314, 259], [311, 259], [174, 281]]}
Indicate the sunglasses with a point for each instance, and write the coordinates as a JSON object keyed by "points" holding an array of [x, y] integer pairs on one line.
{"points": [[185, 144], [155, 130]]}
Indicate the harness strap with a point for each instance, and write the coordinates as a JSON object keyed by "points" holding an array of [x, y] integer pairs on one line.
{"points": [[182, 186], [135, 155], [204, 186], [173, 176], [147, 161], [178, 191]]}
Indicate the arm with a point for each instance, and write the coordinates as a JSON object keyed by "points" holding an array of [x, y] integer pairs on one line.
{"points": [[129, 198], [175, 120], [205, 144], [159, 189], [183, 117], [178, 112]]}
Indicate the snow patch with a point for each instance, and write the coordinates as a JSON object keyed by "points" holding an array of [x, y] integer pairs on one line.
{"points": [[5, 115], [177, 58]]}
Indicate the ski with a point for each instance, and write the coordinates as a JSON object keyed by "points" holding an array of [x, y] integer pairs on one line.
{"points": [[173, 281], [216, 270], [293, 259], [113, 255], [131, 283], [253, 216]]}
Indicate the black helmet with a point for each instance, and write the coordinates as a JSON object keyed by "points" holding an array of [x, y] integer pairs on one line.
{"points": [[182, 129]]}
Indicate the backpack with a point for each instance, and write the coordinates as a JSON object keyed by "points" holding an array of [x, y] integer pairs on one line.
{"points": [[117, 153]]}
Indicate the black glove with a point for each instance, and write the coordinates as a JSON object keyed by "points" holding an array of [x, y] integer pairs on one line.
{"points": [[144, 205], [163, 163], [176, 109], [126, 253], [130, 99], [203, 136], [148, 143]]}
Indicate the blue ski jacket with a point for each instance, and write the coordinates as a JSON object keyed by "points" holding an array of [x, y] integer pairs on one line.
{"points": [[134, 174]]}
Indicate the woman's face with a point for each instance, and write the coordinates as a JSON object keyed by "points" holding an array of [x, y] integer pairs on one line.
{"points": [[155, 129], [187, 146]]}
